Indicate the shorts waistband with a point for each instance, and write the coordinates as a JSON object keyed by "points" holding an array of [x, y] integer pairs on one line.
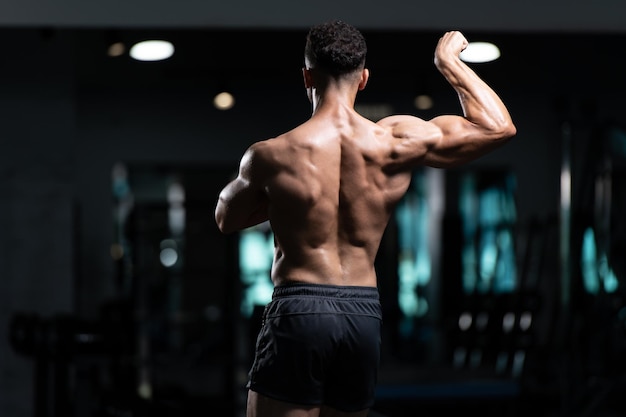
{"points": [[323, 290]]}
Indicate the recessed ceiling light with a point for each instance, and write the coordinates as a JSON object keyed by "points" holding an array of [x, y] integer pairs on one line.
{"points": [[224, 101], [116, 49], [423, 102], [480, 52], [152, 50]]}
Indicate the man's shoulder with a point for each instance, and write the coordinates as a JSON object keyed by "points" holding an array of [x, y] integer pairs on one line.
{"points": [[395, 119], [281, 141], [267, 152]]}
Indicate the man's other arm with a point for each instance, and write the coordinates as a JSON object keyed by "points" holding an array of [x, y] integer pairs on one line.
{"points": [[243, 202]]}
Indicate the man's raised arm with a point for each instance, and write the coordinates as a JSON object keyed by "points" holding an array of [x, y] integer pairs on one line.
{"points": [[450, 140], [486, 122]]}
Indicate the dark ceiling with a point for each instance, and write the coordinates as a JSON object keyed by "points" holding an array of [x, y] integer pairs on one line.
{"points": [[397, 59], [606, 16]]}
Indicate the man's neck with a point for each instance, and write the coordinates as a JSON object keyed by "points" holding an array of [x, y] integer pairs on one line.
{"points": [[333, 98]]}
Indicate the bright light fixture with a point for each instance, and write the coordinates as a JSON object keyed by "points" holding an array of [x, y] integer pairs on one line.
{"points": [[153, 50], [480, 52], [224, 101]]}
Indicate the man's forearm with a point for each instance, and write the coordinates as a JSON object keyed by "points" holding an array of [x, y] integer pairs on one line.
{"points": [[480, 104]]}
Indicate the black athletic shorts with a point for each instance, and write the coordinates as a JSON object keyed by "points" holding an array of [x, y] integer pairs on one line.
{"points": [[319, 345]]}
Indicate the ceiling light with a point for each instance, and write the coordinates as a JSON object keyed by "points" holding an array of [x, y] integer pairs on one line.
{"points": [[224, 101], [116, 49], [480, 52], [153, 50], [423, 102]]}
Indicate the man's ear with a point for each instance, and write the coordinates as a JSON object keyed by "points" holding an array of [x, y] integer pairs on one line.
{"points": [[308, 78], [365, 76]]}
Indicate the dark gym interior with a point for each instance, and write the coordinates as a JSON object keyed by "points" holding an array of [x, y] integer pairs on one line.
{"points": [[503, 282]]}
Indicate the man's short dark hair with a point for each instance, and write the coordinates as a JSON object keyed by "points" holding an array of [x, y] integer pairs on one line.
{"points": [[335, 47]]}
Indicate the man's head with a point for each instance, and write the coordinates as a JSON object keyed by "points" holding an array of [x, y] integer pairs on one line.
{"points": [[335, 48]]}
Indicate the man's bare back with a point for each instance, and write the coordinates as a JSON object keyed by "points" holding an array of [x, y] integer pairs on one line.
{"points": [[332, 196]]}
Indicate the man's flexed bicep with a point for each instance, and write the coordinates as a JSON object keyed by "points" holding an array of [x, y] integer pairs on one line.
{"points": [[460, 141], [243, 202], [443, 142]]}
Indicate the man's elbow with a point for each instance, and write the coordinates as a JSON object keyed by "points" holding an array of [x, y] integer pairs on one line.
{"points": [[222, 224], [225, 228], [504, 130], [222, 227], [510, 131]]}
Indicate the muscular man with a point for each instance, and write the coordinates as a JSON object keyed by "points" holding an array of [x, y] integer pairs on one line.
{"points": [[328, 188]]}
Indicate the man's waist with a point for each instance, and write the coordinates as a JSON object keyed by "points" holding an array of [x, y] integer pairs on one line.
{"points": [[296, 288]]}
